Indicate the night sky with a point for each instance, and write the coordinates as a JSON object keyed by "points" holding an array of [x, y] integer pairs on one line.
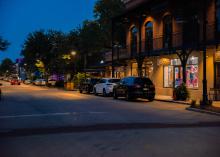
{"points": [[20, 17]]}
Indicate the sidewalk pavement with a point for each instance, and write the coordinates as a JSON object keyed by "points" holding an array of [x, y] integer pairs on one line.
{"points": [[170, 99]]}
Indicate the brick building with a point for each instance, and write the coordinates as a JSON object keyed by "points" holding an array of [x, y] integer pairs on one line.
{"points": [[164, 35]]}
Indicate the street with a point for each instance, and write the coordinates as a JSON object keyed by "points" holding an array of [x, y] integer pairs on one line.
{"points": [[40, 121]]}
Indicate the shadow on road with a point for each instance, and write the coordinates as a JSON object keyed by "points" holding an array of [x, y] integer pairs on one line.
{"points": [[102, 127]]}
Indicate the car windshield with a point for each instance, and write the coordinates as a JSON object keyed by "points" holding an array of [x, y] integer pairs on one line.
{"points": [[143, 81], [114, 80], [94, 80]]}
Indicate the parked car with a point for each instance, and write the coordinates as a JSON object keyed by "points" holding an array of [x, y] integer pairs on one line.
{"points": [[87, 85], [40, 82], [135, 87], [27, 81], [15, 81], [105, 86], [52, 82]]}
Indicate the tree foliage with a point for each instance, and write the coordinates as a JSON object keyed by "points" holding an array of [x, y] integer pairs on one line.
{"points": [[104, 11], [3, 44], [6, 66]]}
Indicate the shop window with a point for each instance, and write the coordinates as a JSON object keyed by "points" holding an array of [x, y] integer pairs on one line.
{"points": [[167, 31], [192, 76], [173, 73], [134, 40], [148, 36]]}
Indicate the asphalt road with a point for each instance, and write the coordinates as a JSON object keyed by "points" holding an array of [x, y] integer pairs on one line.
{"points": [[43, 122]]}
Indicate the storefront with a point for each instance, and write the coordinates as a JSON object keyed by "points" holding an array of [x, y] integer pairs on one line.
{"points": [[217, 69], [173, 74]]}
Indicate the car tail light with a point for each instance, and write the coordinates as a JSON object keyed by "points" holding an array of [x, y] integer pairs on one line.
{"points": [[137, 86]]}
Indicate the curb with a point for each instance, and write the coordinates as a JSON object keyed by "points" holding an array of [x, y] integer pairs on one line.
{"points": [[203, 111], [172, 101]]}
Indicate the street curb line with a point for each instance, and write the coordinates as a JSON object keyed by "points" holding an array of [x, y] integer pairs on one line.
{"points": [[203, 111], [171, 101]]}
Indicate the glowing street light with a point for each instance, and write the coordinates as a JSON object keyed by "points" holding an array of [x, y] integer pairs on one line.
{"points": [[73, 53]]}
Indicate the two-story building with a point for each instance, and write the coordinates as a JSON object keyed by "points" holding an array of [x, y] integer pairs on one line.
{"points": [[164, 35]]}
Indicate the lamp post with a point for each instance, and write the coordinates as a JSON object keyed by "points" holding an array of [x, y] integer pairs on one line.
{"points": [[204, 94]]}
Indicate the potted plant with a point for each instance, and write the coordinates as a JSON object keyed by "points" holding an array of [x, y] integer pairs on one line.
{"points": [[180, 92]]}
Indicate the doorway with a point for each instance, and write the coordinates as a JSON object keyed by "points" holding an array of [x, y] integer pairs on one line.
{"points": [[217, 76], [178, 78]]}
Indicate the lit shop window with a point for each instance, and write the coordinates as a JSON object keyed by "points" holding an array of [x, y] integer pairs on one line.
{"points": [[192, 73], [173, 73]]}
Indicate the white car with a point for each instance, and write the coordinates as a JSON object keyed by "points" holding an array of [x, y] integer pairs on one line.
{"points": [[105, 86], [40, 82]]}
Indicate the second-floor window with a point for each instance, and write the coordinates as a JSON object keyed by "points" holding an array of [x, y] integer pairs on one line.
{"points": [[167, 31], [148, 36], [134, 39]]}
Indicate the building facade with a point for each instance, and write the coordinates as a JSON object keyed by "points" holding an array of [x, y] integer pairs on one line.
{"points": [[167, 39]]}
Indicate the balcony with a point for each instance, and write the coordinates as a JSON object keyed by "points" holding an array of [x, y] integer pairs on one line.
{"points": [[119, 54]]}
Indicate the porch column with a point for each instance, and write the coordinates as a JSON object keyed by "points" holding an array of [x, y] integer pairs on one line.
{"points": [[139, 57], [113, 70]]}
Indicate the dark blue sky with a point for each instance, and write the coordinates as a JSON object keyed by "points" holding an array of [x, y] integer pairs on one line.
{"points": [[19, 17]]}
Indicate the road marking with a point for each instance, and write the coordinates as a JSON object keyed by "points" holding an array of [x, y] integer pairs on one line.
{"points": [[50, 114]]}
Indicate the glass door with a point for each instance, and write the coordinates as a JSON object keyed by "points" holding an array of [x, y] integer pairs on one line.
{"points": [[217, 75], [178, 78]]}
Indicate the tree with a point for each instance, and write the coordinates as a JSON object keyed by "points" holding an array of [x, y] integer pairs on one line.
{"points": [[90, 42], [3, 44], [104, 11], [6, 67], [36, 47]]}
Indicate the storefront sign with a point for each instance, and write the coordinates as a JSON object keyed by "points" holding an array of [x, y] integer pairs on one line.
{"points": [[164, 61]]}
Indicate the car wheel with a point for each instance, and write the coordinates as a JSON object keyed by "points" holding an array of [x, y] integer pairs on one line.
{"points": [[80, 91], [115, 96], [151, 98], [104, 93], [95, 92], [128, 96], [87, 90]]}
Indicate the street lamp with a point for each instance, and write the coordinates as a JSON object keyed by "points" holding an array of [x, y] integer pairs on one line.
{"points": [[73, 53]]}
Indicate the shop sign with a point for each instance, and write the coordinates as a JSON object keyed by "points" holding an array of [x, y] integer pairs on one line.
{"points": [[164, 61]]}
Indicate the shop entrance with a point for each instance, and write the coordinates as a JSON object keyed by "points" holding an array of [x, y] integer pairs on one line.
{"points": [[217, 76], [178, 78]]}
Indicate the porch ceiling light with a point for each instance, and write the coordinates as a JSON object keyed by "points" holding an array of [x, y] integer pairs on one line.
{"points": [[164, 61]]}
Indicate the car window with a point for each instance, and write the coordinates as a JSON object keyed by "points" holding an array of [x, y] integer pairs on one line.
{"points": [[102, 81], [94, 80], [143, 81], [114, 80]]}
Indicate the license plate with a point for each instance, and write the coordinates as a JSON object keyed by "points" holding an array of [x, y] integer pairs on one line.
{"points": [[145, 89]]}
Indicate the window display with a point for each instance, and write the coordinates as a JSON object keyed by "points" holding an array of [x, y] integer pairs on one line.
{"points": [[192, 76], [173, 73]]}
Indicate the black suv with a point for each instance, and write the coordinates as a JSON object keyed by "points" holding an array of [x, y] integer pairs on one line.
{"points": [[87, 85], [135, 87]]}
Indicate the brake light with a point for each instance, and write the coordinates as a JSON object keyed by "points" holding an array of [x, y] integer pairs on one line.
{"points": [[137, 86]]}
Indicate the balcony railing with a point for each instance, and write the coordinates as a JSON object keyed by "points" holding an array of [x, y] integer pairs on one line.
{"points": [[178, 40], [120, 53]]}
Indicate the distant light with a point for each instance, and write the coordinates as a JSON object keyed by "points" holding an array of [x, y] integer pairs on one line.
{"points": [[73, 53], [101, 62]]}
